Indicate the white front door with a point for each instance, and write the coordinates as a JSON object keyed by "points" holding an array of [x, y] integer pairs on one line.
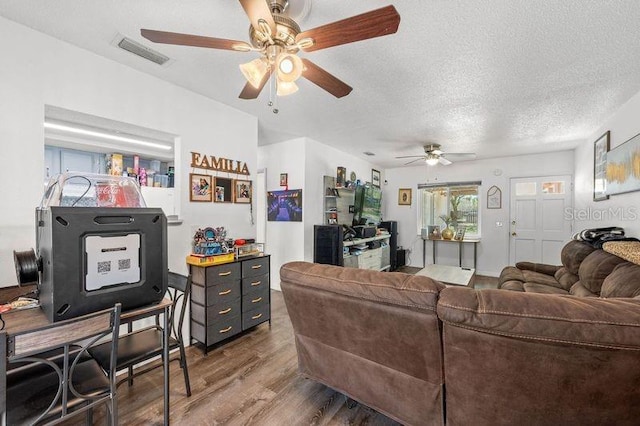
{"points": [[539, 225]]}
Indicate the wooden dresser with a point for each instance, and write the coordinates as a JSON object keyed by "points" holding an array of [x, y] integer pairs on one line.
{"points": [[228, 299]]}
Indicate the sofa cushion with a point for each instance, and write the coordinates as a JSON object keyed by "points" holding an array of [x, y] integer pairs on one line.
{"points": [[573, 253], [513, 285], [565, 278], [537, 277], [595, 268], [579, 290], [511, 273], [543, 288], [624, 281], [543, 268]]}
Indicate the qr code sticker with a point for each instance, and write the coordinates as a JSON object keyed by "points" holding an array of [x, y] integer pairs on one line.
{"points": [[124, 264], [104, 267]]}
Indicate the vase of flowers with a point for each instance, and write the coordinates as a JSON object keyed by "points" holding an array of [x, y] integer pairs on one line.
{"points": [[447, 232]]}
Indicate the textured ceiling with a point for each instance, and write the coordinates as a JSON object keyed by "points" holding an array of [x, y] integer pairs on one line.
{"points": [[495, 77]]}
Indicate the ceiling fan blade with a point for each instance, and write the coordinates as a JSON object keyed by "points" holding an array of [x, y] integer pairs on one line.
{"points": [[377, 23], [460, 156], [194, 40], [411, 156], [258, 10], [323, 79], [413, 161], [444, 161], [250, 92]]}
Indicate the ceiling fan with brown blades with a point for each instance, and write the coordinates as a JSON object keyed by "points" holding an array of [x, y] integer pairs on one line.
{"points": [[278, 39], [434, 155]]}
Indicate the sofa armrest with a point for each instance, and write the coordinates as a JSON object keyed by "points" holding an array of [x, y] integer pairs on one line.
{"points": [[607, 323], [542, 268]]}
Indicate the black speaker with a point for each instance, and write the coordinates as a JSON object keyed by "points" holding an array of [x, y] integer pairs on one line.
{"points": [[392, 227], [401, 257], [327, 244]]}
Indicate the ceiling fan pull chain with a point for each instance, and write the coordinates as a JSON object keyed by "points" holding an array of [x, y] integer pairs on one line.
{"points": [[273, 93]]}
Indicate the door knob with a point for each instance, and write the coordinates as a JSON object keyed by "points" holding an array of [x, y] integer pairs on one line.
{"points": [[513, 234]]}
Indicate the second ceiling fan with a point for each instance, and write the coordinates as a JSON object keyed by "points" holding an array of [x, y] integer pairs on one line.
{"points": [[434, 155], [278, 38]]}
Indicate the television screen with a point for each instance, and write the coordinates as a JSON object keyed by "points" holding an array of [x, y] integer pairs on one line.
{"points": [[368, 204], [284, 206]]}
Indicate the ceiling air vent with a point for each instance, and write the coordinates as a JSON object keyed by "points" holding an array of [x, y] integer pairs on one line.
{"points": [[142, 51]]}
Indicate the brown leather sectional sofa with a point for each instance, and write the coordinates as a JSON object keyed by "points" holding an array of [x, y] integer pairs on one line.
{"points": [[585, 271], [424, 354]]}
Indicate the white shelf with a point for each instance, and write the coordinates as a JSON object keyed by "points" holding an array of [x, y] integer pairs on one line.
{"points": [[365, 240]]}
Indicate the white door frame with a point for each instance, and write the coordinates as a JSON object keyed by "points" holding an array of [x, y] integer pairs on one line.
{"points": [[543, 228]]}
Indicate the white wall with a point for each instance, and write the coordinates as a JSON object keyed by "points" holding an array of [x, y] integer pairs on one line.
{"points": [[38, 70], [619, 210], [285, 240], [306, 161], [493, 250]]}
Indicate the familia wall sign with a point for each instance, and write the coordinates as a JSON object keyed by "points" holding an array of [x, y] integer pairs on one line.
{"points": [[218, 163]]}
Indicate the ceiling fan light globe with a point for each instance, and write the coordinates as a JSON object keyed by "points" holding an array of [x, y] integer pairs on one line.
{"points": [[254, 71], [289, 67], [431, 161], [285, 88]]}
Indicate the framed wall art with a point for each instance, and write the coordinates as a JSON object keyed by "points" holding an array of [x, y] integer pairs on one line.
{"points": [[623, 167], [223, 190], [284, 206], [404, 196], [600, 149], [494, 198], [200, 187], [242, 191], [284, 179], [375, 178]]}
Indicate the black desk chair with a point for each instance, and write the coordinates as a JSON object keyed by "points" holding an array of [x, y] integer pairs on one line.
{"points": [[50, 375], [145, 344]]}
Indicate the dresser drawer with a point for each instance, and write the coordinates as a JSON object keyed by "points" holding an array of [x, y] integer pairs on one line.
{"points": [[223, 293], [253, 284], [221, 274], [255, 267], [255, 300], [217, 332], [255, 317], [214, 314]]}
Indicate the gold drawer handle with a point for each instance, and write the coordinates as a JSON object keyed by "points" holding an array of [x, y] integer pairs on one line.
{"points": [[256, 267], [226, 330], [256, 316], [224, 274], [256, 300], [253, 284], [224, 293], [226, 311]]}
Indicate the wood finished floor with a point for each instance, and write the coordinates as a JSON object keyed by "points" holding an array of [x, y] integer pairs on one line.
{"points": [[251, 380]]}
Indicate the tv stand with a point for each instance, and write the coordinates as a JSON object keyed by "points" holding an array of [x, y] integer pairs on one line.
{"points": [[329, 248]]}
